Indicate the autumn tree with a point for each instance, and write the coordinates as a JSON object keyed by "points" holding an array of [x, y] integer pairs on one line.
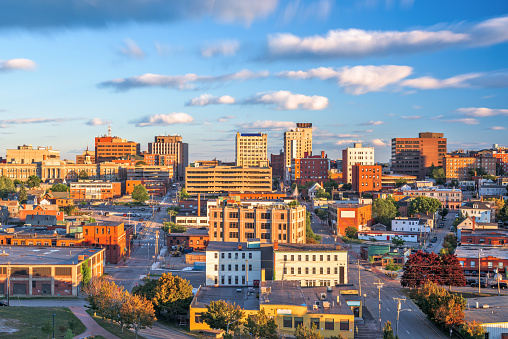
{"points": [[303, 332], [383, 211], [170, 294], [472, 330], [423, 205], [260, 326], [451, 271], [388, 331], [421, 267], [139, 194], [137, 313], [219, 314]]}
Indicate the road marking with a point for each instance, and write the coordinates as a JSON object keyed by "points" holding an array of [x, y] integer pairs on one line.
{"points": [[388, 309], [408, 332]]}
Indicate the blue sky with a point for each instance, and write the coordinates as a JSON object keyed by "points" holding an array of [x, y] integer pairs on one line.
{"points": [[359, 70]]}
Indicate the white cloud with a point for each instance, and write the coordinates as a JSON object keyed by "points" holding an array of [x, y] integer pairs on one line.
{"points": [[498, 128], [267, 125], [226, 118], [412, 117], [301, 11], [208, 99], [379, 143], [467, 121], [481, 112], [346, 142], [225, 48], [22, 121], [131, 50], [365, 131], [355, 80], [372, 123], [285, 100], [433, 83], [490, 32], [17, 64], [187, 81], [163, 119], [97, 122]]}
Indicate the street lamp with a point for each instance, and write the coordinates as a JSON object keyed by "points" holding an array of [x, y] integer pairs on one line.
{"points": [[54, 326]]}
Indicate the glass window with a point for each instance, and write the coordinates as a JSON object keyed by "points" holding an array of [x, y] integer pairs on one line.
{"points": [[344, 325], [298, 321], [329, 324], [287, 322], [314, 322], [198, 318]]}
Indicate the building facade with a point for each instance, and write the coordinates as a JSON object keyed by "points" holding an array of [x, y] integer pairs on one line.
{"points": [[366, 178], [415, 156], [223, 179], [482, 211], [297, 142], [341, 216], [449, 198], [26, 154], [310, 168], [108, 148], [356, 155], [270, 222], [251, 149], [95, 190], [277, 164], [172, 144], [457, 166], [310, 265], [401, 224]]}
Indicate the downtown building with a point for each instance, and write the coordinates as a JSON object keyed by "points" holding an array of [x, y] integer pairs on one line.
{"points": [[310, 168], [366, 178], [458, 165], [108, 148], [356, 155], [416, 156], [172, 144], [251, 149], [297, 142]]}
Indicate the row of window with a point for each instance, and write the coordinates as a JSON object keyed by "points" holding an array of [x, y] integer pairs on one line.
{"points": [[490, 264], [322, 270], [313, 257], [230, 255], [230, 267], [294, 322]]}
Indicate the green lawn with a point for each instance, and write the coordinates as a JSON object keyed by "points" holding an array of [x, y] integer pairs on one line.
{"points": [[113, 328], [27, 322]]}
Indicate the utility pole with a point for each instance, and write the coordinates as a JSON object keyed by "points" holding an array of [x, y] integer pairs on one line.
{"points": [[398, 313], [379, 285], [156, 243], [247, 271], [359, 280], [479, 272]]}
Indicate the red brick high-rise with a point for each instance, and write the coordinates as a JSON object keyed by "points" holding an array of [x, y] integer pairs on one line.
{"points": [[366, 178]]}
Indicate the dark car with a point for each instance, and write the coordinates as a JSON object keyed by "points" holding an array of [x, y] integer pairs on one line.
{"points": [[483, 284], [502, 285], [433, 239], [3, 303], [441, 225], [470, 281]]}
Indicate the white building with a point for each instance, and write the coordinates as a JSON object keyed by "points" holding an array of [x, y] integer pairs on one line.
{"points": [[410, 225], [388, 236], [233, 263], [312, 191], [312, 265], [355, 155], [483, 211], [492, 190]]}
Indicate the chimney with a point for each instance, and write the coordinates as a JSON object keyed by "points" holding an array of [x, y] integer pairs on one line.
{"points": [[276, 245], [474, 223], [322, 154], [199, 204]]}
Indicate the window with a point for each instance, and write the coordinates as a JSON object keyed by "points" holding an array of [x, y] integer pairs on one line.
{"points": [[328, 270], [306, 258], [306, 270], [292, 258], [285, 270], [329, 324], [216, 255], [287, 322], [243, 280], [315, 322], [299, 270], [222, 267], [292, 270], [243, 267], [229, 267], [222, 255], [229, 255], [216, 267], [229, 280], [313, 270], [243, 255], [236, 280], [236, 255], [250, 255], [250, 267], [299, 258], [285, 258], [344, 325], [298, 321], [198, 319], [473, 263], [314, 258], [328, 258], [321, 270]]}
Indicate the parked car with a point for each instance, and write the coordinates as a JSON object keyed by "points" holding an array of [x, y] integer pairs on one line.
{"points": [[3, 303], [433, 239], [502, 285], [470, 281], [444, 218], [368, 268], [483, 284], [441, 225]]}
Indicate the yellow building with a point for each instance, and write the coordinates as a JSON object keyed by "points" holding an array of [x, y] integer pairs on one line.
{"points": [[26, 154], [223, 179], [251, 149], [297, 142], [331, 309]]}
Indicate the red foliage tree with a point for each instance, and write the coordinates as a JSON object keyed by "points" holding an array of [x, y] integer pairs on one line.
{"points": [[451, 271], [422, 267]]}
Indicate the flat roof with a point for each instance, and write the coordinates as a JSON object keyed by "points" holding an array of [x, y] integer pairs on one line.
{"points": [[44, 255], [497, 312], [308, 247], [231, 246], [472, 252], [190, 233], [245, 297]]}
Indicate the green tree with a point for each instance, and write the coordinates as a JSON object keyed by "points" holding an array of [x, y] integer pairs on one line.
{"points": [[347, 187], [423, 205], [260, 326], [400, 182], [351, 232], [311, 237], [439, 175], [33, 181], [321, 193], [183, 194], [388, 331], [22, 195], [83, 175], [503, 213], [141, 163], [454, 183], [169, 293], [59, 188], [86, 273], [294, 203], [444, 212], [398, 241], [139, 194], [303, 332], [391, 266], [219, 314], [383, 211], [472, 330], [171, 227]]}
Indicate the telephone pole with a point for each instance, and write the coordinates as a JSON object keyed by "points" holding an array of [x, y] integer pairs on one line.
{"points": [[398, 312], [359, 280], [379, 285]]}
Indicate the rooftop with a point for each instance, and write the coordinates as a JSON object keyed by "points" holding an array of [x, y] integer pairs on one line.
{"points": [[233, 246], [497, 312], [191, 232], [21, 255], [245, 297], [479, 205], [472, 252], [308, 247]]}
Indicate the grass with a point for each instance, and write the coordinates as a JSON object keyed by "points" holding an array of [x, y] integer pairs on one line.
{"points": [[29, 321], [113, 328], [352, 241]]}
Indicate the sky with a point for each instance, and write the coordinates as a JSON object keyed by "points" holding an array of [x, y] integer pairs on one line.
{"points": [[359, 70]]}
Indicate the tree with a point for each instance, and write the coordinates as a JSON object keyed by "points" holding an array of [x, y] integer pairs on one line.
{"points": [[391, 266], [503, 213], [383, 211], [138, 313], [450, 242], [472, 330], [423, 205], [398, 241], [219, 314], [70, 209], [171, 227], [59, 188], [454, 183], [400, 182], [22, 195], [321, 193], [260, 326], [421, 267], [33, 181], [183, 194], [451, 271], [439, 175], [303, 332], [139, 194], [294, 203], [388, 331], [351, 232], [47, 328], [347, 186], [311, 237], [83, 175], [444, 212], [86, 273], [6, 186], [479, 171], [141, 163], [171, 294]]}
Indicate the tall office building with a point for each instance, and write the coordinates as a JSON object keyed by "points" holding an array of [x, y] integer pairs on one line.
{"points": [[109, 148], [172, 144], [353, 156], [297, 142], [251, 149], [415, 156]]}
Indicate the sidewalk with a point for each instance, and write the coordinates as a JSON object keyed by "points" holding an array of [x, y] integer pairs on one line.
{"points": [[92, 328]]}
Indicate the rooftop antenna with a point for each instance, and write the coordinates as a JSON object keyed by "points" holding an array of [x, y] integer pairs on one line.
{"points": [[109, 130]]}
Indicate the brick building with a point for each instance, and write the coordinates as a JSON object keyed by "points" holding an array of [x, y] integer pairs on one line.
{"points": [[277, 164], [366, 178], [310, 168], [108, 148], [501, 159], [268, 221], [353, 156], [46, 271], [341, 216], [490, 258], [415, 156], [95, 190], [174, 145], [484, 237], [159, 159], [194, 238], [456, 166], [46, 210], [114, 236], [155, 187]]}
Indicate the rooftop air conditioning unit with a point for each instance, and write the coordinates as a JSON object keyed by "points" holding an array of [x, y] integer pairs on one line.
{"points": [[315, 307], [326, 304]]}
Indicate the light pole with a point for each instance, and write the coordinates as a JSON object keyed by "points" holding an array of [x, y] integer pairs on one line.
{"points": [[398, 312], [54, 326], [379, 285], [8, 283]]}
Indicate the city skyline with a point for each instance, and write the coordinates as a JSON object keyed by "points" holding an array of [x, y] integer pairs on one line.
{"points": [[367, 71]]}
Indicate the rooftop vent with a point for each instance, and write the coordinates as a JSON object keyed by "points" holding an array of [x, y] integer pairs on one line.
{"points": [[326, 304], [315, 307], [323, 296]]}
